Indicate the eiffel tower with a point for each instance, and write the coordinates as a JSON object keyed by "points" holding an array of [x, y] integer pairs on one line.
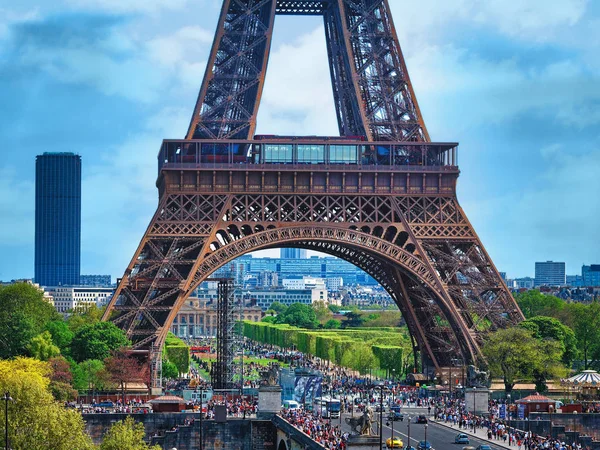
{"points": [[381, 196]]}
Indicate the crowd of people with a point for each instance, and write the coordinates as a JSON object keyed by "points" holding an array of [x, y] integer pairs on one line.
{"points": [[320, 430]]}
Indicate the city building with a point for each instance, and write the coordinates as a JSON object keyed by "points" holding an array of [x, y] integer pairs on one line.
{"points": [[575, 280], [265, 298], [523, 283], [198, 317], [591, 275], [57, 219], [293, 253], [95, 280], [300, 282], [68, 298], [550, 273], [367, 296], [334, 284], [267, 279]]}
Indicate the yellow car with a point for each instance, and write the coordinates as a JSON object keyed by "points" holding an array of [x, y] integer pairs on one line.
{"points": [[394, 442]]}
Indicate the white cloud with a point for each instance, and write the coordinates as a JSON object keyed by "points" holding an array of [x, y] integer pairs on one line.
{"points": [[120, 196], [298, 98], [124, 6], [532, 20]]}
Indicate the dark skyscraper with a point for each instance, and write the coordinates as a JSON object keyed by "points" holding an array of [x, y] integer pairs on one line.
{"points": [[57, 219], [293, 253]]}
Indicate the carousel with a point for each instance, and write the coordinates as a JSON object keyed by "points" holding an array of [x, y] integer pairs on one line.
{"points": [[585, 386]]}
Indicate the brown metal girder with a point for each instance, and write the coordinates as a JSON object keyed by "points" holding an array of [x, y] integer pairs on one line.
{"points": [[512, 302], [402, 63], [422, 339], [451, 313], [353, 73], [230, 254], [208, 74], [125, 280], [185, 292]]}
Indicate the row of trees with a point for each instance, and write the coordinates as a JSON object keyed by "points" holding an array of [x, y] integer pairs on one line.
{"points": [[84, 353], [320, 315], [555, 338], [583, 319], [360, 349], [38, 421]]}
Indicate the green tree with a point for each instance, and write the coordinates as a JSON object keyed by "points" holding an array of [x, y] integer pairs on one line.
{"points": [[85, 316], [37, 421], [543, 327], [61, 335], [126, 435], [361, 359], [94, 376], [354, 319], [333, 324], [268, 319], [534, 303], [512, 354], [334, 308], [548, 364], [180, 356], [41, 347], [322, 312], [586, 325], [23, 315], [169, 370], [299, 315], [278, 307], [96, 341]]}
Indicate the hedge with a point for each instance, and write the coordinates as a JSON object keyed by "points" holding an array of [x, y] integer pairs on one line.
{"points": [[332, 345]]}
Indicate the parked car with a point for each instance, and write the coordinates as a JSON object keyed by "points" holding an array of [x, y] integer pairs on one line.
{"points": [[461, 438], [484, 447], [421, 419], [394, 442], [106, 404]]}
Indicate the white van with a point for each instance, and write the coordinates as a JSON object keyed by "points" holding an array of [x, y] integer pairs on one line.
{"points": [[291, 404]]}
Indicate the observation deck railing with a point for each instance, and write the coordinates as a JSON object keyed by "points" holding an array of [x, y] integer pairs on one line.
{"points": [[333, 154]]}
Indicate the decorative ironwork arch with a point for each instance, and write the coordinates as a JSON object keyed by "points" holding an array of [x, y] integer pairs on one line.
{"points": [[367, 252]]}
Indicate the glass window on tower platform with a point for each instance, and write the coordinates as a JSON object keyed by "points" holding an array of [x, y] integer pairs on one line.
{"points": [[311, 153], [278, 153], [343, 154]]}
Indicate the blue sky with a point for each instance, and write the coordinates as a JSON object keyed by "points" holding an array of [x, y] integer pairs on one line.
{"points": [[517, 83]]}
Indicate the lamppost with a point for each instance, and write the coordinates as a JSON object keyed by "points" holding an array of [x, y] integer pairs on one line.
{"points": [[408, 418], [201, 421], [7, 398], [381, 417]]}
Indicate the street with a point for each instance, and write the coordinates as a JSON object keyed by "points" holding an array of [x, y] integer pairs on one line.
{"points": [[440, 437]]}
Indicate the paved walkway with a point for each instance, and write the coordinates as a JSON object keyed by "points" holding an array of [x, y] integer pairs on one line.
{"points": [[480, 433]]}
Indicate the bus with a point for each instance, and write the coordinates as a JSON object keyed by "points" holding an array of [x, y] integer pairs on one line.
{"points": [[327, 407]]}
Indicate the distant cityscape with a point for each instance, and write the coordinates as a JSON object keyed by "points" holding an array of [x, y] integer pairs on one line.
{"points": [[294, 277]]}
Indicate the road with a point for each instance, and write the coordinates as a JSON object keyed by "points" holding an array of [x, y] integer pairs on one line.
{"points": [[440, 437]]}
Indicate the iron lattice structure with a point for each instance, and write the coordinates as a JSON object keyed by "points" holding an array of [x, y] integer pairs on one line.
{"points": [[382, 197], [223, 370]]}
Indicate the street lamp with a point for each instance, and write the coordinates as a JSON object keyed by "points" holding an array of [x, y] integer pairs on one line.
{"points": [[7, 398], [381, 417]]}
